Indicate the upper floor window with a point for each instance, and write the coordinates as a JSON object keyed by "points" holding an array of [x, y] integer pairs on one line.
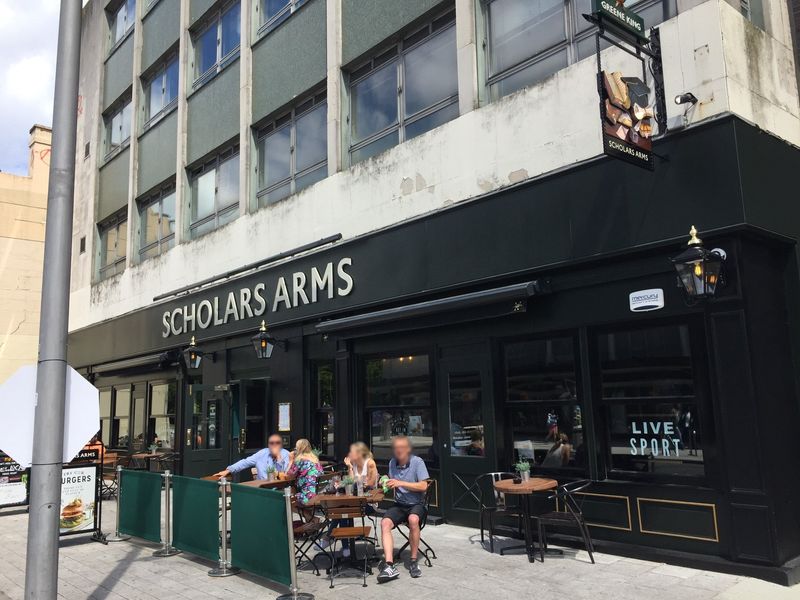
{"points": [[215, 193], [293, 151], [118, 126], [162, 90], [529, 40], [113, 244], [157, 223], [218, 43], [405, 91], [274, 12], [122, 20]]}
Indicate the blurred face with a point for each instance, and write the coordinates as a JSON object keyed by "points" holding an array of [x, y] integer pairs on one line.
{"points": [[354, 455], [402, 451], [275, 444]]}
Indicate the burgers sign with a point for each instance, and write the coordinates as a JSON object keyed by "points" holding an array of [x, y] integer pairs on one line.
{"points": [[78, 499]]}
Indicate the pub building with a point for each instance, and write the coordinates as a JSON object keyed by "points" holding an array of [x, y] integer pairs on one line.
{"points": [[487, 288]]}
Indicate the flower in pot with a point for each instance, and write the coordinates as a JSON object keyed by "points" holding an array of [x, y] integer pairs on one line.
{"points": [[524, 469], [348, 483], [271, 470]]}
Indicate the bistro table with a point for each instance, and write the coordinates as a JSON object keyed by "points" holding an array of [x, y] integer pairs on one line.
{"points": [[145, 458], [526, 489]]}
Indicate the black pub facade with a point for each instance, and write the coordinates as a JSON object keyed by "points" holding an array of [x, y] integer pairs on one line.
{"points": [[487, 330]]}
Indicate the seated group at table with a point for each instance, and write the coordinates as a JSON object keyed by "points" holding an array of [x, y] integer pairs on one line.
{"points": [[407, 477]]}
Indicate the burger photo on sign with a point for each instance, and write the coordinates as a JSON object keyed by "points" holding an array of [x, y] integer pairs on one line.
{"points": [[73, 514]]}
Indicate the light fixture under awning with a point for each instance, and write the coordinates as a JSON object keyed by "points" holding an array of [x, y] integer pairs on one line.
{"points": [[519, 292]]}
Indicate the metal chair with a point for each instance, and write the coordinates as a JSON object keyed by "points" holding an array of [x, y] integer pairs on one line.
{"points": [[306, 535], [427, 552], [571, 516], [493, 503], [337, 510]]}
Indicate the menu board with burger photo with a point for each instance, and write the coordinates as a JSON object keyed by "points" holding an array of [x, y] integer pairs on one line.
{"points": [[79, 499], [13, 483], [628, 119]]}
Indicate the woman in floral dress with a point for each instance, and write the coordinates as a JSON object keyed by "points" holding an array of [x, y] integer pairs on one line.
{"points": [[306, 470]]}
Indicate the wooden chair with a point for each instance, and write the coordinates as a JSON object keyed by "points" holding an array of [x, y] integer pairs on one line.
{"points": [[427, 551], [349, 509], [306, 535], [108, 474]]}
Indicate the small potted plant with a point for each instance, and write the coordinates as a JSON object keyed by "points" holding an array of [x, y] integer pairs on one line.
{"points": [[348, 483], [524, 469], [271, 473]]}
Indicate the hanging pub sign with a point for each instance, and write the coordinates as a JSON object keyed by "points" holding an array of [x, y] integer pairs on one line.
{"points": [[13, 483], [627, 119], [613, 14]]}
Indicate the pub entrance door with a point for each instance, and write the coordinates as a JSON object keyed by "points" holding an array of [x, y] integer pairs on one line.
{"points": [[251, 422], [207, 429], [467, 434]]}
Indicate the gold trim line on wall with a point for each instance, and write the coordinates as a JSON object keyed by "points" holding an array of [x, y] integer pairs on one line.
{"points": [[710, 505]]}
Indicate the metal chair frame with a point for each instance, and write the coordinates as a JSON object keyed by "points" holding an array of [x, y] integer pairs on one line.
{"points": [[565, 494], [499, 506], [427, 552], [340, 509]]}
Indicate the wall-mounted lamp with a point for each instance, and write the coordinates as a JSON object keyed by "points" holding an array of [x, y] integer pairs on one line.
{"points": [[686, 98], [193, 355], [264, 343], [699, 270]]}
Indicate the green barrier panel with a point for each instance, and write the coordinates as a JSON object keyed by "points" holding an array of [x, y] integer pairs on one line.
{"points": [[140, 505], [195, 516], [259, 538]]}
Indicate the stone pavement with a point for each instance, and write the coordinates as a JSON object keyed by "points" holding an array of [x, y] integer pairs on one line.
{"points": [[128, 571]]}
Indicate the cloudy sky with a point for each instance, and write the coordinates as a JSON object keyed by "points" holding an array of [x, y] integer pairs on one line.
{"points": [[28, 35]]}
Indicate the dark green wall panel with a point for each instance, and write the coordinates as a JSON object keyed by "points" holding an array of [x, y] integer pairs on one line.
{"points": [[118, 72], [161, 30], [114, 185], [367, 24], [158, 149], [290, 60], [214, 113], [198, 8]]}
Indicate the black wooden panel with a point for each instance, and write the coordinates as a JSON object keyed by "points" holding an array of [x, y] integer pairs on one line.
{"points": [[676, 518], [607, 511], [752, 531]]}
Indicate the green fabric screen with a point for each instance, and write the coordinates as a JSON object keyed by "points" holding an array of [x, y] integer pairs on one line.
{"points": [[259, 535], [195, 516], [140, 505]]}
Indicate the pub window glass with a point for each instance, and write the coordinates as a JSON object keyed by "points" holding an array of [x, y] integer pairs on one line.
{"points": [[399, 402], [122, 407], [206, 422], [649, 397], [139, 425], [105, 417], [162, 414], [544, 409], [323, 384]]}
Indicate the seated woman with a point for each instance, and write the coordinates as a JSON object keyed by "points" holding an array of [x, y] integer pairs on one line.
{"points": [[560, 454], [306, 470], [360, 463]]}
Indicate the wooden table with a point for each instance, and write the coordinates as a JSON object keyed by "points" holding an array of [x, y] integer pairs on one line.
{"points": [[146, 457], [526, 489], [373, 497]]}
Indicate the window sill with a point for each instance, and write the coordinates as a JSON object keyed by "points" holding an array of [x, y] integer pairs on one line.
{"points": [[119, 43], [149, 8], [213, 73], [116, 152], [275, 22], [165, 112]]}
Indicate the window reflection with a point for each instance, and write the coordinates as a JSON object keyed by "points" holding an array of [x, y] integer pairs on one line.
{"points": [[466, 421]]}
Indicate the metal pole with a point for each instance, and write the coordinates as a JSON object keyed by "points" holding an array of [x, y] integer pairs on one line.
{"points": [[118, 537], [224, 569], [41, 567], [166, 548], [293, 594]]}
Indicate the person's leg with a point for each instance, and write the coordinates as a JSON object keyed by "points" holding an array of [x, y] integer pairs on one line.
{"points": [[413, 535], [386, 539]]}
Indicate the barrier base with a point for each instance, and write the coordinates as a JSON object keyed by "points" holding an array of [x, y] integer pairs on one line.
{"points": [[118, 538], [166, 551], [296, 596], [223, 571]]}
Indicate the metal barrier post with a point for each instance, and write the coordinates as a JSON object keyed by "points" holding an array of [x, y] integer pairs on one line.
{"points": [[118, 537], [293, 594], [167, 549], [224, 569]]}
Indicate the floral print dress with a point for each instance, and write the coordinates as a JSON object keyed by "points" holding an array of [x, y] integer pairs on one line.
{"points": [[306, 473]]}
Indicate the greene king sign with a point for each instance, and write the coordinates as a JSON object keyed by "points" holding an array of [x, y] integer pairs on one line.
{"points": [[281, 294], [615, 13]]}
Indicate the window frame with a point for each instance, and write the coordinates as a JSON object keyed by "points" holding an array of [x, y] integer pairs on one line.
{"points": [[320, 411], [166, 107], [396, 54], [317, 101], [195, 173], [112, 417], [268, 24], [116, 221], [118, 109], [142, 206], [214, 20], [114, 14]]}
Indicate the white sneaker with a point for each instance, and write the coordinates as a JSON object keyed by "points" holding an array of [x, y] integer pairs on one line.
{"points": [[324, 543], [346, 552]]}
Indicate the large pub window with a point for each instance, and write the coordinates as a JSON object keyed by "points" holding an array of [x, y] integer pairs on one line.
{"points": [[162, 414], [323, 386], [543, 403], [399, 402], [650, 402], [115, 407]]}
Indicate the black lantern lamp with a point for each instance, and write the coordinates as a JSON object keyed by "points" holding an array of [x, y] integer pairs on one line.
{"points": [[193, 355], [699, 270], [264, 343]]}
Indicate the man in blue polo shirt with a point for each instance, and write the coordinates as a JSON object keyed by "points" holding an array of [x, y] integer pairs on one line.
{"points": [[274, 455], [407, 477]]}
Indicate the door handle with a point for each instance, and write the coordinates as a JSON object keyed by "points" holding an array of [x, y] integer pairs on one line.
{"points": [[189, 437], [242, 439]]}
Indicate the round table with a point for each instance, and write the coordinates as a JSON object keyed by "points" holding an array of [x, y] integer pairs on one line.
{"points": [[526, 489]]}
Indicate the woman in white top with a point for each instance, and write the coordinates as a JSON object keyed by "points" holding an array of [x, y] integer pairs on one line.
{"points": [[361, 464]]}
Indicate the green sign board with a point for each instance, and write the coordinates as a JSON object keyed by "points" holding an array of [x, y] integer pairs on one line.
{"points": [[615, 13]]}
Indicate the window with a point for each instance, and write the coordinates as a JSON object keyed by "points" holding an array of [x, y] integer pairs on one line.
{"points": [[162, 91], [650, 403], [113, 244], [157, 223], [529, 40], [404, 92], [275, 12], [115, 405], [215, 193], [542, 402], [106, 427], [217, 44], [293, 151], [399, 402], [323, 386], [118, 127], [122, 21], [162, 414]]}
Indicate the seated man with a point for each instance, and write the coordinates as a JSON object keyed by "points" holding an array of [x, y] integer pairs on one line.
{"points": [[407, 475], [274, 455]]}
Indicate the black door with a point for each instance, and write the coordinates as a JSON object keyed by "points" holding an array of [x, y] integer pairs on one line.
{"points": [[207, 430], [467, 434], [251, 422]]}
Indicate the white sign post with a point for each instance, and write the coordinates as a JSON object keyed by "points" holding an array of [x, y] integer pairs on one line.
{"points": [[17, 409]]}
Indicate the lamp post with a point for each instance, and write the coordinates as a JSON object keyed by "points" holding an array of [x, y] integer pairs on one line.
{"points": [[699, 270]]}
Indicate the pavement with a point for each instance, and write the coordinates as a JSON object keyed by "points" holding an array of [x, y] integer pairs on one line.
{"points": [[464, 568]]}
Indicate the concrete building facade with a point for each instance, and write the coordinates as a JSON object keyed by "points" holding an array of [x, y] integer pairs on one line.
{"points": [[23, 208]]}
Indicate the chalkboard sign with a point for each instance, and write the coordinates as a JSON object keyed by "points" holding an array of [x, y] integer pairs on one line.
{"points": [[13, 483]]}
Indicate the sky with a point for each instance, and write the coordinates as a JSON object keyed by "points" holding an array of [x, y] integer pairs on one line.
{"points": [[28, 36]]}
